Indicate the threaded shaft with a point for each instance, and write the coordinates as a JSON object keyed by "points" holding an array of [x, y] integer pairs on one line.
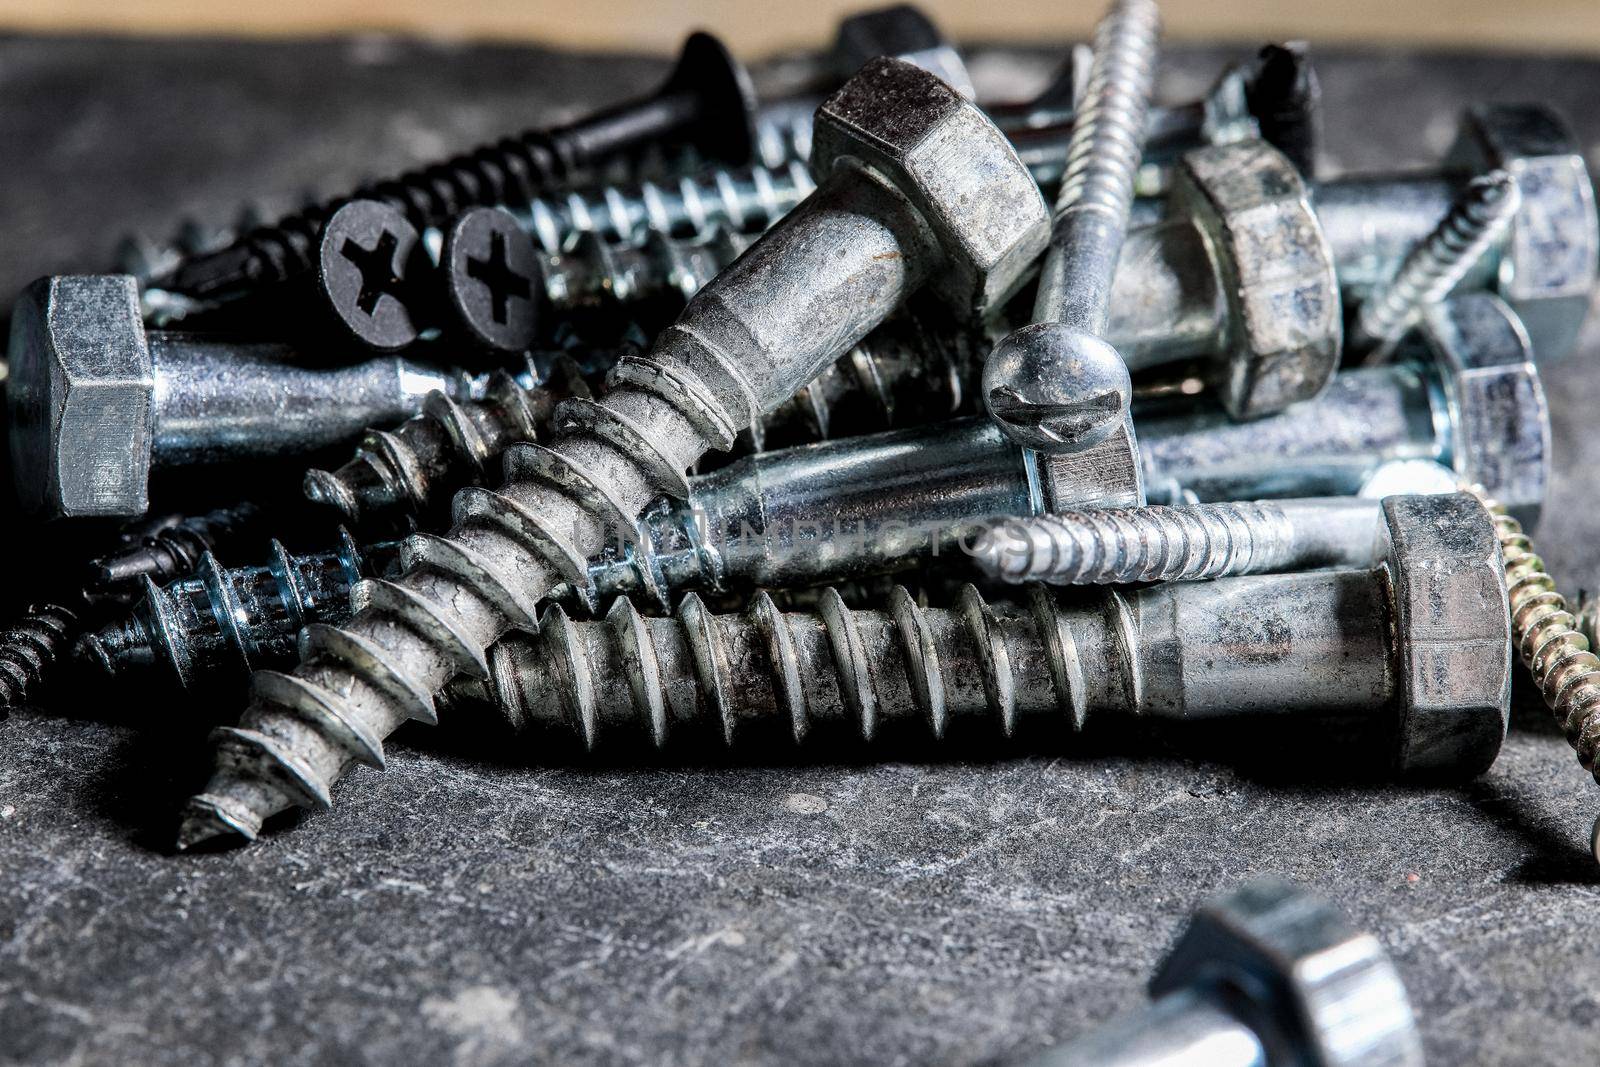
{"points": [[30, 648], [226, 621], [401, 476], [1480, 215], [781, 674], [1547, 638], [172, 550], [1097, 186], [595, 274], [1151, 544], [747, 200]]}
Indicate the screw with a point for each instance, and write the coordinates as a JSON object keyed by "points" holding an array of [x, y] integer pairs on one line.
{"points": [[96, 402], [225, 622], [1551, 644], [1282, 91], [1057, 385], [172, 549], [400, 477], [30, 648], [801, 295], [1266, 976], [1475, 404], [706, 103], [371, 265], [1477, 219], [901, 372], [1183, 543], [1423, 636]]}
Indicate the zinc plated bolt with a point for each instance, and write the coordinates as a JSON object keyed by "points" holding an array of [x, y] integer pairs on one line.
{"points": [[897, 154], [1057, 385], [96, 403], [1187, 542], [1474, 402], [1477, 219], [706, 102], [1266, 976], [1424, 637], [904, 372]]}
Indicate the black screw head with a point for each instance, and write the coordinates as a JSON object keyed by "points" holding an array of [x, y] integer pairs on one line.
{"points": [[725, 130], [370, 261], [492, 275]]}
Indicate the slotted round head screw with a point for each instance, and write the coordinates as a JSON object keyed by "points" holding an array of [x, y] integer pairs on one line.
{"points": [[371, 260], [491, 275], [1057, 389], [81, 397]]}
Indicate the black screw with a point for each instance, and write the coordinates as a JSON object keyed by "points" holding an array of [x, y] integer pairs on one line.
{"points": [[707, 104], [490, 266], [1284, 95], [372, 263]]}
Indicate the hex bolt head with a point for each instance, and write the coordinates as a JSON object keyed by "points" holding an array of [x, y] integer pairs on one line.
{"points": [[81, 397], [370, 263], [491, 270]]}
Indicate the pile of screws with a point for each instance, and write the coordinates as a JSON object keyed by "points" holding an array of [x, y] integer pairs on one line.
{"points": [[707, 422]]}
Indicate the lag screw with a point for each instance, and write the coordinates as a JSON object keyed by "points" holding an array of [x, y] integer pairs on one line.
{"points": [[30, 649]]}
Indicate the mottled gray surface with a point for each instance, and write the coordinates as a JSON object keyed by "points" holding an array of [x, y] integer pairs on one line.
{"points": [[458, 908]]}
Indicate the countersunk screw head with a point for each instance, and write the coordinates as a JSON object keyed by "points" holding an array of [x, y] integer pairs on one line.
{"points": [[491, 275], [1051, 385], [370, 260]]}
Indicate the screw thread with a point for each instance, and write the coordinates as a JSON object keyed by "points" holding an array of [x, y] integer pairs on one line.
{"points": [[226, 621], [358, 683], [790, 672], [400, 476], [594, 273], [746, 200], [1150, 544], [172, 550], [1548, 640], [30, 648], [1476, 220], [1108, 134]]}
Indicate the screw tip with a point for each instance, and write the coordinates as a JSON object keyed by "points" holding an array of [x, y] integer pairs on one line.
{"points": [[1002, 552], [324, 488], [216, 820]]}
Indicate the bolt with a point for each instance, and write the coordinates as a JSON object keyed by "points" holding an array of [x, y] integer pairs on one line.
{"points": [[1477, 219], [897, 152], [172, 548], [1266, 976], [1475, 404], [901, 372], [1057, 385], [1424, 636], [96, 402], [1183, 543], [706, 103], [30, 648], [224, 622]]}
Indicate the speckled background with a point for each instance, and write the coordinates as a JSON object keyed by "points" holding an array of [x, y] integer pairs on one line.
{"points": [[461, 908]]}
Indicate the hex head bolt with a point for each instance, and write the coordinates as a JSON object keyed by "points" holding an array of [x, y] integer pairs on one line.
{"points": [[915, 185], [1057, 385], [1266, 976], [1424, 636], [96, 403], [1475, 404], [1183, 543], [1477, 219], [706, 103]]}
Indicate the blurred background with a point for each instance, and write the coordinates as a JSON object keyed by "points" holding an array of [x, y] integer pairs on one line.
{"points": [[754, 27]]}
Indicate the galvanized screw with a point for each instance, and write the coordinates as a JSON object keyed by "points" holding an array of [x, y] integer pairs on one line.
{"points": [[172, 547], [1478, 218], [1057, 385]]}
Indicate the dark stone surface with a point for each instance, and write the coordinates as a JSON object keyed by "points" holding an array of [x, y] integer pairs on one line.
{"points": [[460, 908]]}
